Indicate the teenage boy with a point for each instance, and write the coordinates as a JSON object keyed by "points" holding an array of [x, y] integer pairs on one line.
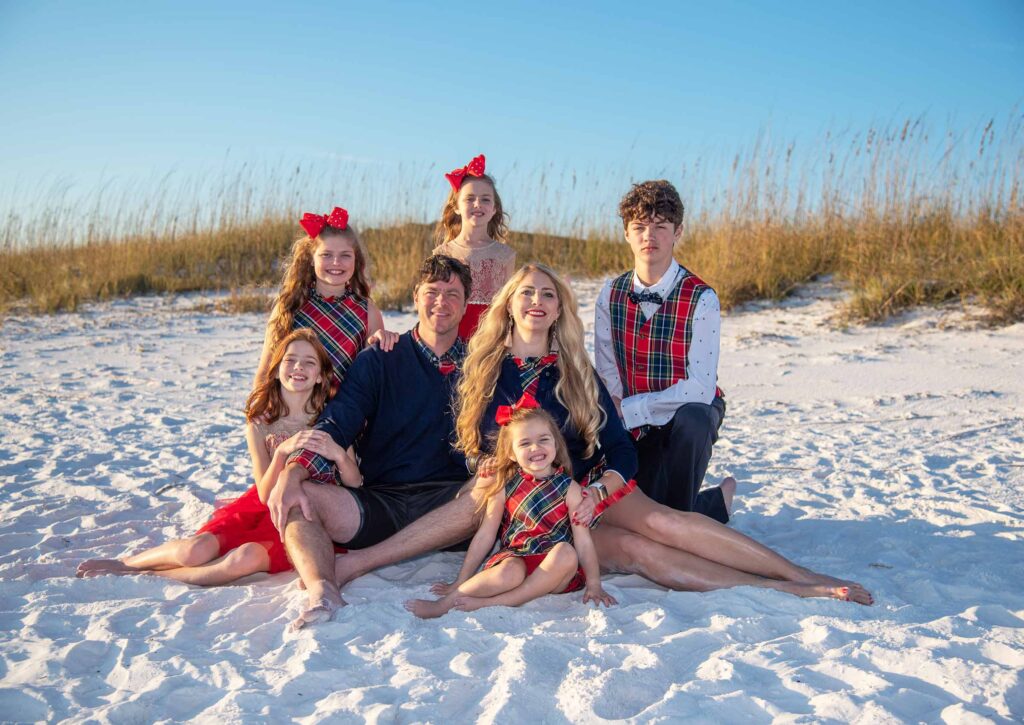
{"points": [[656, 348]]}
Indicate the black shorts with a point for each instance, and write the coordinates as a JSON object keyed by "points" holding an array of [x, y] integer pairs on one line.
{"points": [[385, 508]]}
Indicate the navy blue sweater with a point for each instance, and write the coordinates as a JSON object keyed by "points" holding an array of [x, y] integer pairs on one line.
{"points": [[616, 445], [397, 408]]}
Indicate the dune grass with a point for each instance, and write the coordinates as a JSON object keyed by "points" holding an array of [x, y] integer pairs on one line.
{"points": [[902, 217]]}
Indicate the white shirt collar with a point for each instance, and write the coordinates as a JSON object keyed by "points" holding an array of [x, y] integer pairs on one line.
{"points": [[664, 285]]}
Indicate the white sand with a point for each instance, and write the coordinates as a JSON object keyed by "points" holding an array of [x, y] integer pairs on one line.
{"points": [[893, 455]]}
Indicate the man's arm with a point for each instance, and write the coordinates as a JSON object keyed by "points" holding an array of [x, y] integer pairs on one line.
{"points": [[701, 369]]}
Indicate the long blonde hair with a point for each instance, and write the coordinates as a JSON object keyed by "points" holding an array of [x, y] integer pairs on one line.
{"points": [[300, 276], [450, 224], [576, 389], [505, 464]]}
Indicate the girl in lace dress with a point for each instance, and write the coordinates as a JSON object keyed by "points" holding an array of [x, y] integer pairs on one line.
{"points": [[472, 229]]}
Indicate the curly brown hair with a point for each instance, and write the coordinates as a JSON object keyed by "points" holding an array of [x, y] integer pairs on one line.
{"points": [[651, 199], [450, 224]]}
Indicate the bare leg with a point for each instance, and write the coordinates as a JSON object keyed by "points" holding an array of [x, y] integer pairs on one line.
{"points": [[624, 551], [247, 559], [707, 539], [553, 574], [310, 547], [504, 576], [454, 522], [194, 551]]}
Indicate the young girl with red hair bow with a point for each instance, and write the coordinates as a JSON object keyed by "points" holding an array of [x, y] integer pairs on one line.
{"points": [[325, 289], [472, 229], [542, 550]]}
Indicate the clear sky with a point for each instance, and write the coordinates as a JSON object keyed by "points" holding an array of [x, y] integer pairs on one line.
{"points": [[135, 90]]}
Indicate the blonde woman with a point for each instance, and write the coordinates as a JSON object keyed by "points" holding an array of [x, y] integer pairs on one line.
{"points": [[531, 340]]}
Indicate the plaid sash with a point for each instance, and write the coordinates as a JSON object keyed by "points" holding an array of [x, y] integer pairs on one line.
{"points": [[530, 371]]}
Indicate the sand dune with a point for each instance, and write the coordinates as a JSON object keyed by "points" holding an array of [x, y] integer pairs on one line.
{"points": [[892, 455]]}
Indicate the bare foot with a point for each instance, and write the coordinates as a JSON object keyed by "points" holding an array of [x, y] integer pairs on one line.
{"points": [[427, 609], [466, 603], [321, 610], [728, 486], [98, 567], [852, 593], [346, 568]]}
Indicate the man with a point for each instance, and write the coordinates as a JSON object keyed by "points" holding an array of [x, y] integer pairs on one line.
{"points": [[396, 408], [656, 348]]}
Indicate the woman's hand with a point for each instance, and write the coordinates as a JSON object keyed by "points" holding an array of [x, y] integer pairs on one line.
{"points": [[598, 596], [486, 467], [384, 339], [583, 514]]}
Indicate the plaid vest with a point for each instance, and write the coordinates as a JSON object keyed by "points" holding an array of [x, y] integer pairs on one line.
{"points": [[651, 353]]}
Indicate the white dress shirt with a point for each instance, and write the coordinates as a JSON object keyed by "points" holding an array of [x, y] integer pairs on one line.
{"points": [[657, 408]]}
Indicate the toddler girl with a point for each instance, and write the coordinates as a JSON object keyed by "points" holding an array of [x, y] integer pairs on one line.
{"points": [[532, 494]]}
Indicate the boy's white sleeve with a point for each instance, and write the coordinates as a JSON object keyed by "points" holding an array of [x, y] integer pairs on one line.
{"points": [[701, 370], [604, 352]]}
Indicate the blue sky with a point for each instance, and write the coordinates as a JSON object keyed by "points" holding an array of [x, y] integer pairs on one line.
{"points": [[131, 91]]}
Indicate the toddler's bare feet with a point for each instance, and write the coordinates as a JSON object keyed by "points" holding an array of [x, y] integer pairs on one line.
{"points": [[427, 609], [98, 567]]}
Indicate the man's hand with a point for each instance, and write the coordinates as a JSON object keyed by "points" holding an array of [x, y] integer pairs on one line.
{"points": [[288, 494], [618, 406]]}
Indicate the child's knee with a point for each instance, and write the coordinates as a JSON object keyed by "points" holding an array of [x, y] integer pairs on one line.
{"points": [[198, 550], [563, 558], [250, 556]]}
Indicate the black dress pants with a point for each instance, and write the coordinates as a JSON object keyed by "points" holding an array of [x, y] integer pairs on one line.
{"points": [[674, 458]]}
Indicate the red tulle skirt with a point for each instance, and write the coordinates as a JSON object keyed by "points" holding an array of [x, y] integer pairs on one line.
{"points": [[247, 520], [474, 311]]}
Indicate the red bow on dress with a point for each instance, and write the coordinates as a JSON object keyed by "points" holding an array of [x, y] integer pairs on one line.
{"points": [[503, 416], [313, 224], [473, 168]]}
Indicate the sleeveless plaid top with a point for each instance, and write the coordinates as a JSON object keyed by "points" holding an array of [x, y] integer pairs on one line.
{"points": [[651, 353], [536, 515], [340, 324]]}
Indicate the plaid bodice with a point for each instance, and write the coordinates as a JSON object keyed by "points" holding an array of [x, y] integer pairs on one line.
{"points": [[651, 352], [536, 515], [340, 324]]}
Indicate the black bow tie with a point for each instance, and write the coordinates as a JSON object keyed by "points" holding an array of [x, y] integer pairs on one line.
{"points": [[645, 296]]}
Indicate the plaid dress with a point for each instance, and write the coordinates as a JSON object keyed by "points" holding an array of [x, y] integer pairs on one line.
{"points": [[340, 324], [536, 516]]}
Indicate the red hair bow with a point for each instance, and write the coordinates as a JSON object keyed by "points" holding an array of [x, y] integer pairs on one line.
{"points": [[504, 414], [313, 224], [473, 168]]}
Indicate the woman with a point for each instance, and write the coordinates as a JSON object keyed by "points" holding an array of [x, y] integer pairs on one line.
{"points": [[531, 340]]}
